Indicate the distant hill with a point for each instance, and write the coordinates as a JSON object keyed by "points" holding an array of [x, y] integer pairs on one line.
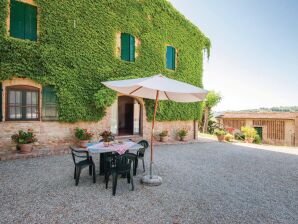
{"points": [[273, 109], [262, 109]]}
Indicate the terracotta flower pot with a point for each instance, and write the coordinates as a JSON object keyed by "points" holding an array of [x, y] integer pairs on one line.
{"points": [[182, 138], [163, 138], [249, 140], [220, 138], [83, 143], [25, 148]]}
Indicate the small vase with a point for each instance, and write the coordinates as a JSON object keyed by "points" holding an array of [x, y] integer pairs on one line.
{"points": [[163, 138], [83, 143], [220, 138], [25, 148], [106, 144]]}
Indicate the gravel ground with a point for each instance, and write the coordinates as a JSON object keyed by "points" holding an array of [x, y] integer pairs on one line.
{"points": [[202, 183]]}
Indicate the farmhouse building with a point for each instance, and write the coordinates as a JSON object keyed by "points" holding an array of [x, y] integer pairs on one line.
{"points": [[274, 128], [55, 54]]}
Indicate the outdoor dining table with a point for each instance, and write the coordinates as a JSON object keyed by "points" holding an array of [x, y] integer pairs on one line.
{"points": [[103, 151]]}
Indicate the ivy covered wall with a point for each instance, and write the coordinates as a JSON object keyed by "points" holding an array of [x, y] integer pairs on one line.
{"points": [[76, 58]]}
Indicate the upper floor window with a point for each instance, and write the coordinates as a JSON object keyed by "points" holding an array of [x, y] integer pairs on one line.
{"points": [[23, 20], [171, 58], [127, 47], [49, 103], [22, 103]]}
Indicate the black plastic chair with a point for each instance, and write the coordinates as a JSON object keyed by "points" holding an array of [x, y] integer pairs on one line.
{"points": [[140, 155], [82, 159], [120, 165]]}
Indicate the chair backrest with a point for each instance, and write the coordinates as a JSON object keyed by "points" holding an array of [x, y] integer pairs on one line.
{"points": [[78, 154], [123, 163], [145, 144]]}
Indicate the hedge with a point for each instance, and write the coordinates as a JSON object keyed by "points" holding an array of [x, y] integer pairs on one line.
{"points": [[76, 58]]}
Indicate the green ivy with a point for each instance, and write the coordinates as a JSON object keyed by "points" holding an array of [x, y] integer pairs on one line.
{"points": [[75, 60]]}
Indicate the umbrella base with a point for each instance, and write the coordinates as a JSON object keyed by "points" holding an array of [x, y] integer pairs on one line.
{"points": [[153, 181]]}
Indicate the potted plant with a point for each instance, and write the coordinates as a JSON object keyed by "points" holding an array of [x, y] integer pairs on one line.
{"points": [[250, 133], [163, 136], [229, 137], [182, 133], [106, 136], [220, 133], [83, 136], [24, 140]]}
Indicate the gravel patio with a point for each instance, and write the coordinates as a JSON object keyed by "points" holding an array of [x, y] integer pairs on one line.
{"points": [[202, 183]]}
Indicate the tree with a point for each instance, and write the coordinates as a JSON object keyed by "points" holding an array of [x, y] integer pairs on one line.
{"points": [[212, 99]]}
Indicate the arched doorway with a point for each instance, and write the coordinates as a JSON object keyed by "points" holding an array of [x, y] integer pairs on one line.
{"points": [[126, 116]]}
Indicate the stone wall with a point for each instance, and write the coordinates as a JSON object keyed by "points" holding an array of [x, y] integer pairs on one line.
{"points": [[51, 133]]}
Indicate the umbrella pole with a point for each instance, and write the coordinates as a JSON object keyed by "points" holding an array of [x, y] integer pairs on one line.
{"points": [[152, 132]]}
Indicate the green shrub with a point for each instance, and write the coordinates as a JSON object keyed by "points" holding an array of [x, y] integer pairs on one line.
{"points": [[83, 134], [249, 132], [24, 137], [219, 132], [164, 133], [182, 132], [257, 139]]}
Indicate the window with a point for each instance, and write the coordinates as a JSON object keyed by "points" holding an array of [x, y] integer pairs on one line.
{"points": [[171, 58], [22, 103], [23, 21], [49, 103], [127, 47]]}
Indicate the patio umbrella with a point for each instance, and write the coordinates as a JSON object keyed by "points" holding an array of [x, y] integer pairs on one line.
{"points": [[157, 87]]}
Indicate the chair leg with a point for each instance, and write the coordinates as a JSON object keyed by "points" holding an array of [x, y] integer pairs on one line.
{"points": [[115, 177], [143, 164], [135, 166], [131, 180], [78, 175], [94, 174], [128, 177], [107, 176], [90, 170], [75, 173]]}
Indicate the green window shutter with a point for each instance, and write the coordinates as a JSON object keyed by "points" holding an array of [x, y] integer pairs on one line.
{"points": [[127, 47], [125, 39], [49, 104], [131, 48], [30, 22], [17, 23], [1, 116], [171, 58]]}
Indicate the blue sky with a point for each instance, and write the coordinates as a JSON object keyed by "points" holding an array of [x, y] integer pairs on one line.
{"points": [[254, 55]]}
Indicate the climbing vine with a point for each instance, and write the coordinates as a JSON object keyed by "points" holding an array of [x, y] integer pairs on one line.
{"points": [[76, 51]]}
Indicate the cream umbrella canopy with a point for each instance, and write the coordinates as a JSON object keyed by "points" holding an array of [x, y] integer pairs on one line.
{"points": [[157, 87]]}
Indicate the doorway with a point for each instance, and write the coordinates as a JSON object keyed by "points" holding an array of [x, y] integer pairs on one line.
{"points": [[260, 132], [129, 114]]}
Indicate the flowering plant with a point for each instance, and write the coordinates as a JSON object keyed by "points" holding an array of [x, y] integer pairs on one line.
{"points": [[83, 134], [230, 130], [182, 132], [106, 135], [24, 137], [164, 133]]}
